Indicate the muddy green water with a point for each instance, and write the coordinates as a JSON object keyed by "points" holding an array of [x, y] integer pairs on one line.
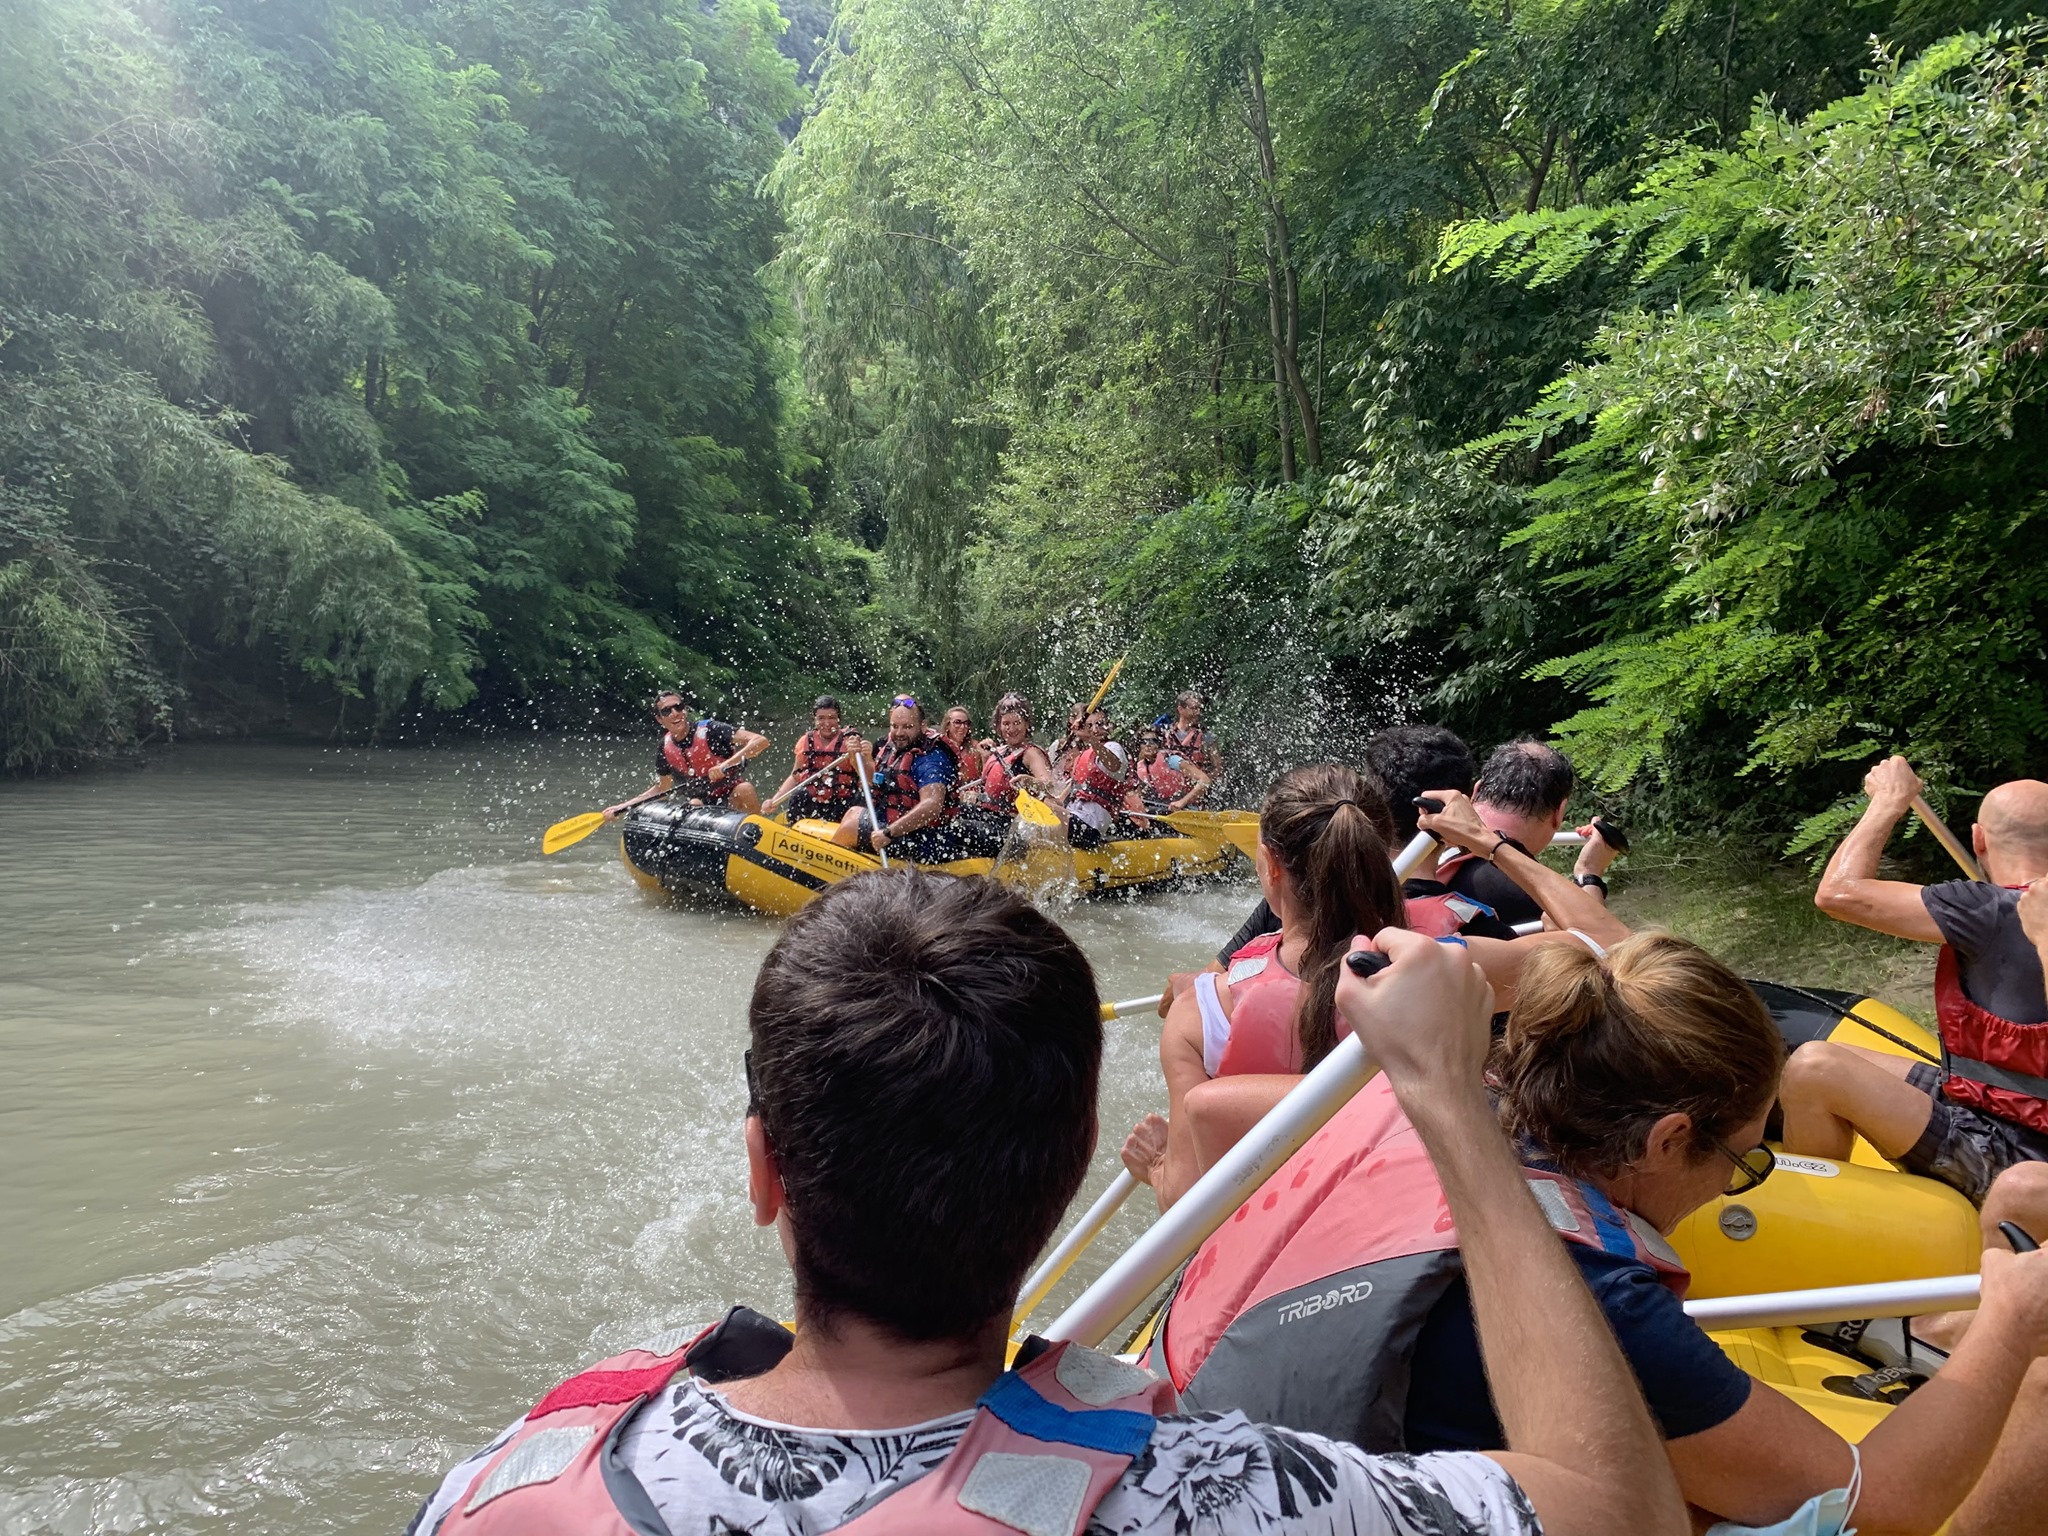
{"points": [[336, 1123]]}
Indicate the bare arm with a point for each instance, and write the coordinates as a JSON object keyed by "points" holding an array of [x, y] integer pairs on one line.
{"points": [[1195, 791], [1180, 1061], [1566, 905], [1850, 889], [1580, 1441], [1760, 1465]]}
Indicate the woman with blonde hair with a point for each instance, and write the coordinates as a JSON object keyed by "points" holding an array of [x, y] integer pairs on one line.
{"points": [[1638, 1085], [1242, 1038]]}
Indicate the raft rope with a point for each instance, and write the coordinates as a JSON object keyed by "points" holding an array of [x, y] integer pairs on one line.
{"points": [[1850, 1013]]}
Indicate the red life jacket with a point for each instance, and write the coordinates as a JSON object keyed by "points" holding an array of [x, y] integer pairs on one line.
{"points": [[692, 766], [1046, 1444], [840, 785], [1191, 742], [1167, 783], [970, 763], [1993, 1064], [998, 777], [896, 783], [1304, 1308], [1093, 782]]}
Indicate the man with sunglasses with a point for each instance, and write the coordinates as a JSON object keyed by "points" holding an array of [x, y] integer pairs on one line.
{"points": [[701, 760]]}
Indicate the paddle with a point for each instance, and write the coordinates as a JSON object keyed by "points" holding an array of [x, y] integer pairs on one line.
{"points": [[567, 833], [1946, 838], [1034, 812], [1104, 689], [769, 808]]}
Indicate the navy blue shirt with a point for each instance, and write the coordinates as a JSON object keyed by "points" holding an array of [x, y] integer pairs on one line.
{"points": [[1689, 1384]]}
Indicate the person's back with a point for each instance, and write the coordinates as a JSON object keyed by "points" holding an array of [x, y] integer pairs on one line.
{"points": [[923, 1076]]}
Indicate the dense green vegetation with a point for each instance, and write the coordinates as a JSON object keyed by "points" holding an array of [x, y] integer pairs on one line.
{"points": [[1662, 374], [420, 354]]}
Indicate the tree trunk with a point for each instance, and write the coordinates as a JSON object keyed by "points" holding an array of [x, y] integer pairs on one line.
{"points": [[1276, 333], [1282, 281]]}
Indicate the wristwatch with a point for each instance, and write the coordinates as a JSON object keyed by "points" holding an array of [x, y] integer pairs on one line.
{"points": [[1591, 883]]}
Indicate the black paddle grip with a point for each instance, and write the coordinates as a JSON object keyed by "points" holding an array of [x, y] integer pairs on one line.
{"points": [[2017, 1236], [1367, 962]]}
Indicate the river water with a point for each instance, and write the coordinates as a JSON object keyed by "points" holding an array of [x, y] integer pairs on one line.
{"points": [[337, 1123]]}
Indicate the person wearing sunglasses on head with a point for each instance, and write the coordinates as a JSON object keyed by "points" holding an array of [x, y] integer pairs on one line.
{"points": [[916, 793], [1637, 1088], [702, 760]]}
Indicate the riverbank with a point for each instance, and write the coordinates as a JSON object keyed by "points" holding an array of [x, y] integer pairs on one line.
{"points": [[1756, 912]]}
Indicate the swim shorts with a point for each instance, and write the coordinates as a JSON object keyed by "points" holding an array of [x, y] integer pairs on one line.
{"points": [[1966, 1148]]}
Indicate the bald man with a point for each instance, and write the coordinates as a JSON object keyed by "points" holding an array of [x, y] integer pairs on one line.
{"points": [[1979, 1121]]}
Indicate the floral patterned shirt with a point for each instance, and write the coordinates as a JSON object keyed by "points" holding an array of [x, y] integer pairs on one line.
{"points": [[714, 1471]]}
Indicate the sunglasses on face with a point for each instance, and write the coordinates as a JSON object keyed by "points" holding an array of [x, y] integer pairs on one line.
{"points": [[1751, 1168], [670, 709]]}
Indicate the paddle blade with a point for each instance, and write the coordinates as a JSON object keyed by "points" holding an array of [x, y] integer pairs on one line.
{"points": [[1244, 835], [1034, 812], [565, 833]]}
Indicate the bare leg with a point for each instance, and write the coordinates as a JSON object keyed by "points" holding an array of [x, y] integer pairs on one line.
{"points": [[1831, 1092], [746, 798], [2011, 1495], [847, 833]]}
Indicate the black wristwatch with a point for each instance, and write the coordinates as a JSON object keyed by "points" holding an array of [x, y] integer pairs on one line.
{"points": [[1591, 883]]}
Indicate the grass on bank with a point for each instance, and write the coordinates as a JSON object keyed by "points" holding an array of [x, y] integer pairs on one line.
{"points": [[1756, 912]]}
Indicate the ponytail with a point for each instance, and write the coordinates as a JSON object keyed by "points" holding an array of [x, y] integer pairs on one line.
{"points": [[1597, 1051], [1330, 829]]}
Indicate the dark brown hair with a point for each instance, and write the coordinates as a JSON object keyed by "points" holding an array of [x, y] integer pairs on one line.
{"points": [[1329, 828], [925, 1052], [1598, 1051]]}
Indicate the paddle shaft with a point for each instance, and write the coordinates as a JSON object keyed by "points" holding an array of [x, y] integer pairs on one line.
{"points": [[1129, 1006], [1145, 1265], [1061, 1259], [867, 791], [852, 752], [1946, 838], [1836, 1303]]}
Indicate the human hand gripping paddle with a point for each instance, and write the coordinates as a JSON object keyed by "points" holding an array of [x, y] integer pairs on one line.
{"points": [[569, 832]]}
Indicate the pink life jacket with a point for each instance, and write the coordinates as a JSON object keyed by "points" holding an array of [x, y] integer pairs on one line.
{"points": [[1046, 1444], [998, 779], [1993, 1064], [1167, 783], [1305, 1306], [1260, 1024]]}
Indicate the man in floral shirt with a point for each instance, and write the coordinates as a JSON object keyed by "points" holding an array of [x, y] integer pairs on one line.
{"points": [[924, 1063]]}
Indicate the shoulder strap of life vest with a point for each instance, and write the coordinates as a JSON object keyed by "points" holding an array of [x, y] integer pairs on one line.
{"points": [[548, 1476], [1581, 1214], [1444, 914], [1047, 1443], [1261, 1033], [1993, 1063]]}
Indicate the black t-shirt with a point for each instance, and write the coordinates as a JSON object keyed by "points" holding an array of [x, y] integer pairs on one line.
{"points": [[717, 736], [1482, 882], [1689, 1384], [1998, 965]]}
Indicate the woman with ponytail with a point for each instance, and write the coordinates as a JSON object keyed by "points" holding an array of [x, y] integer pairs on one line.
{"points": [[1637, 1085], [1240, 1039]]}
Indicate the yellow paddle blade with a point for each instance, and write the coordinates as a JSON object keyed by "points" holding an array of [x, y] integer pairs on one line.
{"points": [[565, 833], [1242, 834], [1034, 812], [1107, 683]]}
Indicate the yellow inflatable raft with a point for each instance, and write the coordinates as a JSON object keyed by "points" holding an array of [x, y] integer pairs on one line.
{"points": [[772, 867], [1817, 1222]]}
